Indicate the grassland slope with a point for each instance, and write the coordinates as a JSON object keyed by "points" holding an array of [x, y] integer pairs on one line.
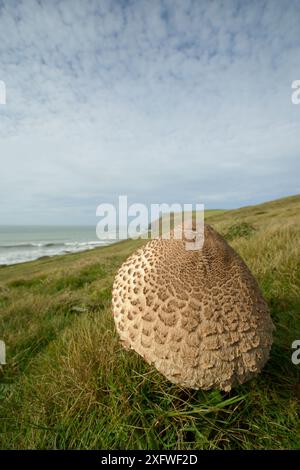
{"points": [[69, 384]]}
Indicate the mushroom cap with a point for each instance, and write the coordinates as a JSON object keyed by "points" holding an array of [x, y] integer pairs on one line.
{"points": [[197, 316]]}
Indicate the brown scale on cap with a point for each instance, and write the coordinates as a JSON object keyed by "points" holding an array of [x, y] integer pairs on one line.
{"points": [[197, 316]]}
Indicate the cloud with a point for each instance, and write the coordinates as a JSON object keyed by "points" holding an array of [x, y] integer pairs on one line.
{"points": [[164, 101]]}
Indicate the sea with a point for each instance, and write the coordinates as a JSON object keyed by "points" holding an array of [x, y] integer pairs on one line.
{"points": [[26, 243]]}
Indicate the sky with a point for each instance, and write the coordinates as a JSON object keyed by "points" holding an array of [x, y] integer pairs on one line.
{"points": [[163, 101]]}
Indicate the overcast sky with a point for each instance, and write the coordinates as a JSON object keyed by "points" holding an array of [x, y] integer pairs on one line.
{"points": [[165, 101]]}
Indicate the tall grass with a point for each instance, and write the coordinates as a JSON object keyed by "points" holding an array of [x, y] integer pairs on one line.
{"points": [[69, 384]]}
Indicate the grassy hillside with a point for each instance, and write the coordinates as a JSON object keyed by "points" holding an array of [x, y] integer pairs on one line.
{"points": [[69, 384]]}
